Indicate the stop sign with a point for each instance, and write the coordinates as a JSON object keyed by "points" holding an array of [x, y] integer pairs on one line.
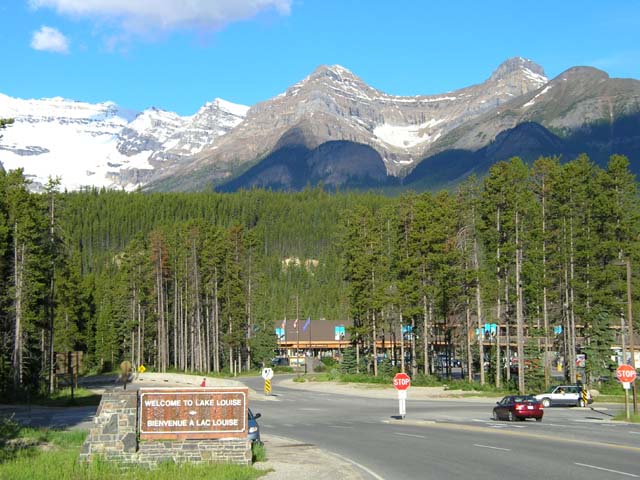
{"points": [[626, 373], [401, 381]]}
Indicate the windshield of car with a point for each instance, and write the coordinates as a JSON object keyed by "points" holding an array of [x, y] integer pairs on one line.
{"points": [[524, 399]]}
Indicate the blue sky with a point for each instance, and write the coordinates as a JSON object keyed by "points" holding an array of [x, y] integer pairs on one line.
{"points": [[179, 54]]}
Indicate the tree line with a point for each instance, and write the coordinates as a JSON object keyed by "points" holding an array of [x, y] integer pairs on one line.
{"points": [[538, 251], [195, 282]]}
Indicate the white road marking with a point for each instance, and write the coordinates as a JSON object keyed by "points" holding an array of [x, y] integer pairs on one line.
{"points": [[409, 435], [288, 425], [492, 423], [370, 472], [312, 409], [634, 433], [339, 426], [608, 470], [492, 448]]}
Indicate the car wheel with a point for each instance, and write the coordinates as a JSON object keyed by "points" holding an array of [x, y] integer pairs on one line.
{"points": [[546, 402], [494, 416], [512, 417]]}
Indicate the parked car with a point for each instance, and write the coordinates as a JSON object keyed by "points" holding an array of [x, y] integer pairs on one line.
{"points": [[518, 407], [254, 428], [280, 362], [564, 395]]}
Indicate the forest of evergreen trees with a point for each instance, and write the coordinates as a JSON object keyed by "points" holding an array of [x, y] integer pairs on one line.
{"points": [[195, 281]]}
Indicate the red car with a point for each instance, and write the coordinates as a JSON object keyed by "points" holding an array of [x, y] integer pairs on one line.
{"points": [[518, 407]]}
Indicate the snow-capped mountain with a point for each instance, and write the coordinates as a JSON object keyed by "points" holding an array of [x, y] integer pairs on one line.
{"points": [[103, 145], [330, 128], [333, 104]]}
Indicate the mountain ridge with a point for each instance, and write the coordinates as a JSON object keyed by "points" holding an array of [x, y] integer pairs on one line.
{"points": [[341, 127]]}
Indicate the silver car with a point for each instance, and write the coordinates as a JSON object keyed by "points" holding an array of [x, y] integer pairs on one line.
{"points": [[564, 395]]}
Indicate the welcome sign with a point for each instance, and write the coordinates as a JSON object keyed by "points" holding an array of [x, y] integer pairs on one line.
{"points": [[203, 413]]}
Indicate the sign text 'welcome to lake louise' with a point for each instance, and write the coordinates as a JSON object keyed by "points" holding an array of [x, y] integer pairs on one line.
{"points": [[193, 413]]}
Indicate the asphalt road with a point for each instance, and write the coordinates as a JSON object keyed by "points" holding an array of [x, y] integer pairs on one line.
{"points": [[451, 439], [438, 439]]}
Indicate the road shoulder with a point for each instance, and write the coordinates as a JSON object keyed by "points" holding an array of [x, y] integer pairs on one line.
{"points": [[291, 460]]}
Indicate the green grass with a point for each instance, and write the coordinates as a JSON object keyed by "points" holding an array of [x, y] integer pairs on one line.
{"points": [[62, 398], [609, 399], [420, 380], [258, 452], [43, 454], [623, 417]]}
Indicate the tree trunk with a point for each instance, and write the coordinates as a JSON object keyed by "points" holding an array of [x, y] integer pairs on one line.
{"points": [[414, 363], [498, 305], [545, 307], [469, 341], [519, 310], [216, 324], [476, 267], [572, 318], [427, 337], [401, 346], [18, 273], [375, 347]]}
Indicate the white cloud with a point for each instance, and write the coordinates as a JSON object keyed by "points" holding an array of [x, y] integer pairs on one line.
{"points": [[49, 39], [143, 16]]}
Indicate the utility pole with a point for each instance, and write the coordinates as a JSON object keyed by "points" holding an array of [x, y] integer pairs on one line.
{"points": [[631, 333], [297, 328]]}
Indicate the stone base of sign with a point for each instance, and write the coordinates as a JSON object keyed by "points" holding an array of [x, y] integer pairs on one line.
{"points": [[115, 438]]}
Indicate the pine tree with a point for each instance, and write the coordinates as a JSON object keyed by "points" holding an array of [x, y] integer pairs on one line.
{"points": [[349, 363], [4, 123]]}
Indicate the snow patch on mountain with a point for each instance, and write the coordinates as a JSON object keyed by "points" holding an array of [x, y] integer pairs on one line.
{"points": [[232, 108], [407, 136], [533, 100], [536, 77]]}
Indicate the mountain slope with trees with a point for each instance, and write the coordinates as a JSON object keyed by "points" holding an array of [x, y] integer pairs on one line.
{"points": [[196, 282]]}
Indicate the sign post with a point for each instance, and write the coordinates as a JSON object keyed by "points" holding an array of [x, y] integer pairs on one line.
{"points": [[267, 374], [627, 375], [402, 382]]}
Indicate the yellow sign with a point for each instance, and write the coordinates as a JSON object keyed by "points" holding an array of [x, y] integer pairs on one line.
{"points": [[141, 369], [267, 387]]}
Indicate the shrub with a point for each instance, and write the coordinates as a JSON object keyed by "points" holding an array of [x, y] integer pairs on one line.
{"points": [[329, 361], [258, 452]]}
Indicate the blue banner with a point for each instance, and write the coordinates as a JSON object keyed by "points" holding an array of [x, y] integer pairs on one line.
{"points": [[280, 333]]}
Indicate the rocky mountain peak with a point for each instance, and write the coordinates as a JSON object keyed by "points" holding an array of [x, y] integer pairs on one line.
{"points": [[517, 65], [332, 77], [221, 105], [586, 73], [335, 73]]}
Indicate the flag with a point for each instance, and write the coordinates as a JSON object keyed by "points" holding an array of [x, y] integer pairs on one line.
{"points": [[284, 323], [295, 324], [306, 324]]}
